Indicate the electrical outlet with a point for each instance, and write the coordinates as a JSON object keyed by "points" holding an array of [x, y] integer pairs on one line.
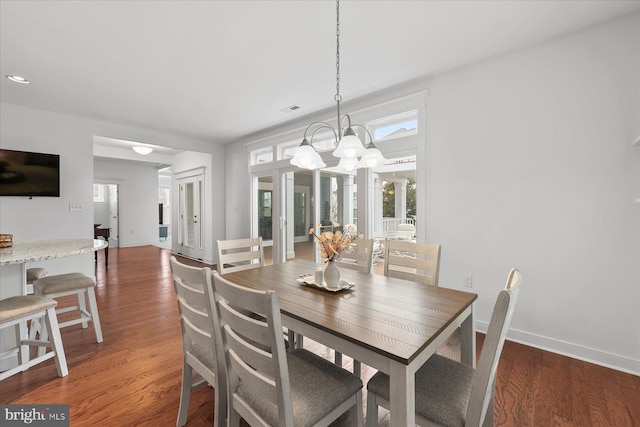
{"points": [[76, 207], [468, 281]]}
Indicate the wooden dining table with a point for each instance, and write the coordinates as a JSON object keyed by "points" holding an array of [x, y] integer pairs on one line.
{"points": [[390, 324]]}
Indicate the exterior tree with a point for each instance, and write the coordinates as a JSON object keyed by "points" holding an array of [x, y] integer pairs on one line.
{"points": [[389, 199], [411, 198]]}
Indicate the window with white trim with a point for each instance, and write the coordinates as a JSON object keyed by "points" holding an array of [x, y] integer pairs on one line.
{"points": [[99, 193], [395, 126]]}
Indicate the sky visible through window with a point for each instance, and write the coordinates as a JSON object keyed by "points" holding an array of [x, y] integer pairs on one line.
{"points": [[395, 128]]}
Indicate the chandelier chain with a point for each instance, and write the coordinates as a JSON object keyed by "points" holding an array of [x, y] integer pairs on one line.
{"points": [[338, 98], [306, 156]]}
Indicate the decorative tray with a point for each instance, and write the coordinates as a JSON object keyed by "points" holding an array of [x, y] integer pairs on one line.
{"points": [[309, 280]]}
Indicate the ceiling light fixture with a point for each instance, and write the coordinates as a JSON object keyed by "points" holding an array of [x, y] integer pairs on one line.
{"points": [[141, 149], [349, 147], [18, 79]]}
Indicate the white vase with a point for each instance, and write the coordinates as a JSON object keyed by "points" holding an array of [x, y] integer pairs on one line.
{"points": [[332, 275]]}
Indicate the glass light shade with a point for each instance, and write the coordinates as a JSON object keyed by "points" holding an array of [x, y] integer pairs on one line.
{"points": [[142, 150], [349, 146], [372, 158], [306, 157], [348, 164]]}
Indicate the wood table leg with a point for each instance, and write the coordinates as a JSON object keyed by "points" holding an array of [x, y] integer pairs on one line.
{"points": [[402, 411], [468, 341]]}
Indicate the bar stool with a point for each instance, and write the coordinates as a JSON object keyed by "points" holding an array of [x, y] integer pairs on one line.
{"points": [[16, 311], [33, 274], [60, 285]]}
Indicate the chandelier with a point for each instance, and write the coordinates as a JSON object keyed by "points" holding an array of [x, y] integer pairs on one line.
{"points": [[349, 148]]}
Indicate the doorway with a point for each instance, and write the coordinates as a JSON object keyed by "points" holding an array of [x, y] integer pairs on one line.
{"points": [[106, 209], [190, 224]]}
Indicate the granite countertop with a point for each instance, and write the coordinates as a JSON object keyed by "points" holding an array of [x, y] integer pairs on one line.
{"points": [[39, 250]]}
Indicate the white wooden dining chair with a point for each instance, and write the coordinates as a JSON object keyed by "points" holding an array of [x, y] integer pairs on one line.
{"points": [[359, 257], [201, 352], [449, 393], [266, 385], [412, 261], [244, 254], [240, 254]]}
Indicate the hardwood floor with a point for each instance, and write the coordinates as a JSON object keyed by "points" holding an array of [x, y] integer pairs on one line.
{"points": [[133, 377]]}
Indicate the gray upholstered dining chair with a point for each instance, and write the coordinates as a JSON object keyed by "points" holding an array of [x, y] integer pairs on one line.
{"points": [[266, 385], [412, 261], [449, 393], [240, 254], [200, 349]]}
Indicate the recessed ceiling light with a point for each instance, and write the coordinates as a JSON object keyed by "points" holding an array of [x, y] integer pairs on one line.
{"points": [[18, 79], [142, 150]]}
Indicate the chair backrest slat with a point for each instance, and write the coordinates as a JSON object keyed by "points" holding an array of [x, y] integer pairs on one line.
{"points": [[252, 355], [483, 385], [359, 258], [412, 261], [240, 254], [253, 329]]}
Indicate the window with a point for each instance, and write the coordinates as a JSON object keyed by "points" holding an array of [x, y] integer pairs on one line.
{"points": [[164, 196], [262, 155], [99, 193], [322, 141], [396, 126], [299, 199]]}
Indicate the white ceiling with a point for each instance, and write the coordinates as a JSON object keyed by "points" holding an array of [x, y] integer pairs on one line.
{"points": [[220, 70]]}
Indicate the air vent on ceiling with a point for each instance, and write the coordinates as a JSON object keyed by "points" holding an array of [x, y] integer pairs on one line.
{"points": [[290, 108]]}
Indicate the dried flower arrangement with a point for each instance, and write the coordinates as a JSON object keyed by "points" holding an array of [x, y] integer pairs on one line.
{"points": [[332, 244]]}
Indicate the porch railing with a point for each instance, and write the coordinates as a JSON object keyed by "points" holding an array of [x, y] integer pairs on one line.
{"points": [[390, 225]]}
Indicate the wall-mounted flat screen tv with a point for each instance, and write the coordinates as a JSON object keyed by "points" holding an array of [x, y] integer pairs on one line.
{"points": [[29, 174]]}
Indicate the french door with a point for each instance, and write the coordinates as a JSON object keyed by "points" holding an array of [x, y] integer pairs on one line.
{"points": [[190, 229], [287, 203]]}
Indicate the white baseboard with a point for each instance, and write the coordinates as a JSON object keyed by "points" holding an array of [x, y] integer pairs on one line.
{"points": [[576, 351], [8, 361]]}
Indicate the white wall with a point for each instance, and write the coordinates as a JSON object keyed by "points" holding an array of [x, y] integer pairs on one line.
{"points": [[238, 201], [529, 164], [137, 200], [30, 129], [49, 217]]}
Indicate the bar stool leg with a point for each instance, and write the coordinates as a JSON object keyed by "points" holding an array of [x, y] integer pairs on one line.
{"points": [[93, 305], [21, 336], [56, 342], [82, 306], [44, 334]]}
